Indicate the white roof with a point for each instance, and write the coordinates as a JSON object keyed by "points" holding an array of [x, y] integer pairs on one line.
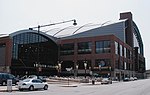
{"points": [[3, 35], [72, 30]]}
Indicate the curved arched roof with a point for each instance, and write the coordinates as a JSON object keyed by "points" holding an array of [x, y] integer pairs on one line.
{"points": [[33, 31], [138, 36]]}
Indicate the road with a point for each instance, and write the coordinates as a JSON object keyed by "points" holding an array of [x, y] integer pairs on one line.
{"points": [[139, 87]]}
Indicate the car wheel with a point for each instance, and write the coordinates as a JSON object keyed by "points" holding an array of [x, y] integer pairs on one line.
{"points": [[31, 88], [45, 87], [3, 83], [20, 89]]}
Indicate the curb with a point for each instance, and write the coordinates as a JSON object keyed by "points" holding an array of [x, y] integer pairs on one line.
{"points": [[8, 91], [68, 86]]}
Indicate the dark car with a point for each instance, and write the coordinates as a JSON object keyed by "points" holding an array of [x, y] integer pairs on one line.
{"points": [[42, 78], [5, 76], [126, 79]]}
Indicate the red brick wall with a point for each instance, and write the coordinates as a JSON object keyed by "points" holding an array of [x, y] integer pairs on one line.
{"points": [[8, 52]]}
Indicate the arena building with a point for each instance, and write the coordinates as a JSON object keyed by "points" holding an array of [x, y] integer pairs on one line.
{"points": [[108, 50]]}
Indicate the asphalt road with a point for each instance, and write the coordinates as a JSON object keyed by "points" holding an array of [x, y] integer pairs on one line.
{"points": [[139, 87]]}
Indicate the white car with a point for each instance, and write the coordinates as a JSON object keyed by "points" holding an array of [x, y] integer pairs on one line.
{"points": [[131, 79], [32, 84], [106, 81]]}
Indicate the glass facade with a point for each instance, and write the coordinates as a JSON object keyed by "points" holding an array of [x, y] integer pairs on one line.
{"points": [[116, 48], [117, 64], [102, 47], [30, 49], [121, 54], [67, 49], [102, 62], [125, 53], [85, 48], [125, 65]]}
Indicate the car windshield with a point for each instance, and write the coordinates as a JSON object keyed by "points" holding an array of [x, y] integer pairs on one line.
{"points": [[26, 80], [32, 76], [11, 76]]}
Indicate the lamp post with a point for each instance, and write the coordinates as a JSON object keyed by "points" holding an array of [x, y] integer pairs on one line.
{"points": [[77, 66], [59, 68], [68, 69], [99, 69], [110, 72], [38, 43], [85, 65]]}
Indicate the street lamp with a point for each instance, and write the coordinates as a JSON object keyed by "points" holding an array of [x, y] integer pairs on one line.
{"points": [[77, 66], [59, 68], [99, 69], [80, 28], [68, 69], [85, 65], [38, 29], [110, 71]]}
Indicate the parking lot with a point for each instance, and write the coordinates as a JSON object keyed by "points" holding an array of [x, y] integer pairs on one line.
{"points": [[139, 87]]}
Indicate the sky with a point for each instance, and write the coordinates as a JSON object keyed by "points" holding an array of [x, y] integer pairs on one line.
{"points": [[16, 15]]}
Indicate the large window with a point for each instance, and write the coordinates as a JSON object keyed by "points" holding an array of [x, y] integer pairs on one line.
{"points": [[125, 52], [125, 65], [67, 49], [117, 48], [85, 48], [102, 47], [121, 53], [117, 65], [28, 50]]}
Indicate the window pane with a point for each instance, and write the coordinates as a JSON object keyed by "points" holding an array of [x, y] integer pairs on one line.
{"points": [[85, 48], [103, 47], [106, 46], [67, 49]]}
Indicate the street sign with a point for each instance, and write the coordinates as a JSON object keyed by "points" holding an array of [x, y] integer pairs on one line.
{"points": [[9, 85]]}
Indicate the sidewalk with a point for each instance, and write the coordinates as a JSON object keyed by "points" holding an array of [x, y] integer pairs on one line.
{"points": [[4, 88]]}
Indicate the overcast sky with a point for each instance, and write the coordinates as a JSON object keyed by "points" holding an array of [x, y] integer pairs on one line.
{"points": [[21, 14]]}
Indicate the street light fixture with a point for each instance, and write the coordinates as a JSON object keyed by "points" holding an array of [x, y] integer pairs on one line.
{"points": [[77, 66], [38, 29], [68, 69], [110, 71], [99, 69], [85, 65], [59, 68]]}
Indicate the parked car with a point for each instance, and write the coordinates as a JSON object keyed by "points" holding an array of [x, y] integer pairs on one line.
{"points": [[106, 81], [5, 76], [131, 79], [23, 77], [135, 78], [32, 76], [126, 79], [32, 84], [42, 78]]}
